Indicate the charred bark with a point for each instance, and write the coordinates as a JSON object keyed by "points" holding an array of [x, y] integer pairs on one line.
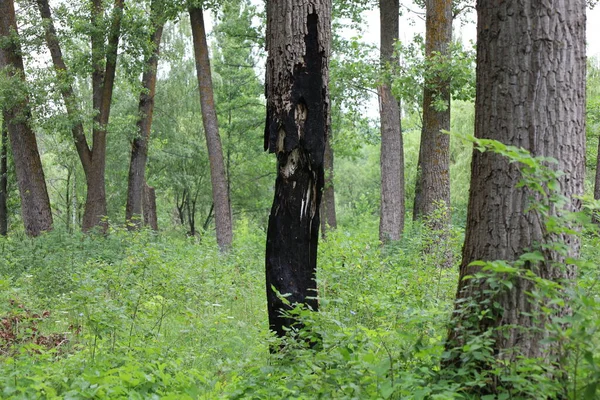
{"points": [[218, 177], [139, 145], [433, 177], [35, 203], [298, 45], [530, 94], [391, 223]]}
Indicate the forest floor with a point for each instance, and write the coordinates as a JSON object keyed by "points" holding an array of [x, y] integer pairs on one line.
{"points": [[139, 315]]}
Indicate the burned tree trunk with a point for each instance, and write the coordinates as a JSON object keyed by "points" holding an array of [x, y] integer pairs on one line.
{"points": [[391, 223], [35, 203], [139, 145], [298, 43], [218, 177]]}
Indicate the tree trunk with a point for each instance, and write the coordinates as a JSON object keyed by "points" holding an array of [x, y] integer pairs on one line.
{"points": [[149, 207], [211, 129], [596, 217], [93, 160], [35, 204], [433, 178], [139, 145], [4, 181], [298, 45], [531, 94], [391, 223], [328, 217], [103, 80]]}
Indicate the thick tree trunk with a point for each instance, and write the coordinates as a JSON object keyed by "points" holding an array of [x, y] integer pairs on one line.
{"points": [[531, 94], [298, 45], [4, 181], [35, 204], [328, 216], [391, 223], [433, 176], [139, 145], [218, 177], [149, 207]]}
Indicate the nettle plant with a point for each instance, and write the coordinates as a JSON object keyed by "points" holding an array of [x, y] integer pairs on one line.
{"points": [[567, 313]]}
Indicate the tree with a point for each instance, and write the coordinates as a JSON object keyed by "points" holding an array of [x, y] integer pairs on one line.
{"points": [[433, 178], [530, 94], [137, 189], [298, 42], [222, 205], [391, 222], [4, 181], [328, 216], [104, 48], [35, 203]]}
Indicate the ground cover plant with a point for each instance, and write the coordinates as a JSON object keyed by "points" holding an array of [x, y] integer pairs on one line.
{"points": [[160, 316]]}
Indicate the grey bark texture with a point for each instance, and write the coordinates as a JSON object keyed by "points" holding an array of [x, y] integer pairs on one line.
{"points": [[103, 79], [433, 168], [391, 223], [139, 145], [328, 216], [35, 203], [4, 181], [298, 45], [530, 93], [218, 176]]}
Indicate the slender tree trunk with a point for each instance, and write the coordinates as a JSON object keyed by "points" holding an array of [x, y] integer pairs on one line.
{"points": [[531, 94], [223, 220], [139, 145], [391, 223], [328, 217], [35, 203], [596, 218], [103, 80], [104, 61], [298, 45], [4, 181], [433, 169], [149, 207]]}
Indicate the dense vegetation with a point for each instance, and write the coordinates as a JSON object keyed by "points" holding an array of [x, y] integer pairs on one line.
{"points": [[166, 314]]}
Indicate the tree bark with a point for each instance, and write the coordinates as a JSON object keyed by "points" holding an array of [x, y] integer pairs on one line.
{"points": [[218, 177], [103, 79], [433, 169], [139, 145], [4, 181], [149, 207], [328, 216], [298, 44], [93, 160], [391, 223], [596, 218], [35, 203], [531, 94]]}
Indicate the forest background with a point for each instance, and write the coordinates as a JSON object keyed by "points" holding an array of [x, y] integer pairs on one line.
{"points": [[166, 314]]}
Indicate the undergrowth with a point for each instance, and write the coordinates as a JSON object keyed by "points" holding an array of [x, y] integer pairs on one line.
{"points": [[139, 315]]}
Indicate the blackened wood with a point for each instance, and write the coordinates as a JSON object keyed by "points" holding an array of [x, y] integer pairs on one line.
{"points": [[298, 45]]}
